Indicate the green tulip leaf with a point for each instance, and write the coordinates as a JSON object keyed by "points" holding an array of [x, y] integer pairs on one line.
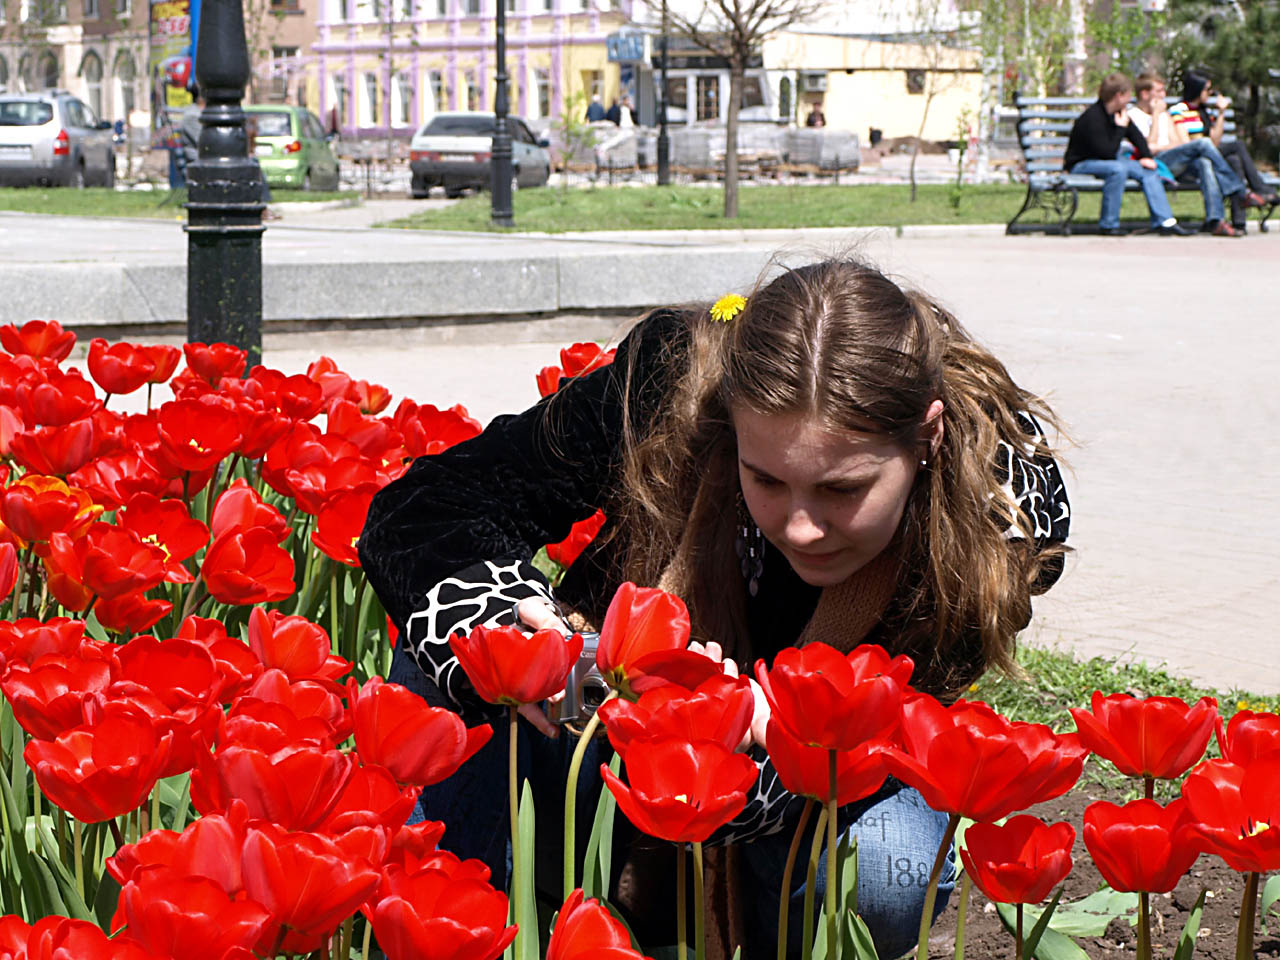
{"points": [[862, 947], [1051, 946], [1270, 894], [1187, 942], [598, 865], [531, 947], [1033, 938], [1089, 916], [104, 902]]}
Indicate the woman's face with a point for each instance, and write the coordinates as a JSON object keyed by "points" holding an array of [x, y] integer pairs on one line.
{"points": [[830, 502]]}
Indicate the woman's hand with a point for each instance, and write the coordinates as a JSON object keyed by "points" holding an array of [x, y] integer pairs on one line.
{"points": [[539, 615], [760, 717]]}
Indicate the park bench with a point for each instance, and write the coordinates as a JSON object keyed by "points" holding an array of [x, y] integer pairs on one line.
{"points": [[1044, 124]]}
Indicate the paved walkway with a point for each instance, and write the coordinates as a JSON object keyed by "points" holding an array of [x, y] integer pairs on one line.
{"points": [[1158, 353]]}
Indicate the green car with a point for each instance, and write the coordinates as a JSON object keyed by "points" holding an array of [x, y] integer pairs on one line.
{"points": [[292, 148]]}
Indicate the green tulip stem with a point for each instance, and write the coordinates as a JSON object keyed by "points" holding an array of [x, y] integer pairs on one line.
{"points": [[832, 856], [194, 597], [1144, 925], [699, 907], [334, 635], [24, 560], [155, 809], [35, 812], [784, 903], [810, 879], [962, 911], [1248, 917], [931, 892], [344, 944], [368, 939], [1149, 787], [78, 853], [571, 798], [1018, 952], [115, 832], [513, 796], [682, 922]]}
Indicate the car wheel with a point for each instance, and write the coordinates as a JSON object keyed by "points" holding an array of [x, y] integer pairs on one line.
{"points": [[453, 193], [419, 188], [76, 180], [109, 181]]}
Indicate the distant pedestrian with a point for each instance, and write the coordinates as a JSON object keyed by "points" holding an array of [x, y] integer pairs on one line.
{"points": [[1093, 146], [626, 114], [595, 110], [816, 118], [614, 114]]}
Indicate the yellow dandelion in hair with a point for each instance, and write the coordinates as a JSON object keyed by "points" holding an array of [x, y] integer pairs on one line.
{"points": [[727, 307]]}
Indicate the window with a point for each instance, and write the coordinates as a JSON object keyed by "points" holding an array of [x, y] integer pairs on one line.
{"points": [[91, 70], [371, 97], [784, 98], [25, 113], [452, 125], [126, 74], [404, 91], [275, 123], [341, 98], [471, 7], [26, 73], [122, 8], [542, 82], [442, 8], [709, 96], [593, 83], [4, 71], [678, 92], [473, 91], [91, 9], [48, 71], [283, 53], [285, 6], [915, 81], [752, 92], [511, 6]]}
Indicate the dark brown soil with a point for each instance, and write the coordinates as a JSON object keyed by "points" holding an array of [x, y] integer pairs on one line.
{"points": [[987, 939]]}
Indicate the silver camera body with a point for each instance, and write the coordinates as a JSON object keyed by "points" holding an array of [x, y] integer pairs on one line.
{"points": [[585, 689]]}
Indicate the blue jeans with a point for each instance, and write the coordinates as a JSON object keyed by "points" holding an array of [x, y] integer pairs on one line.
{"points": [[1114, 173], [1214, 174], [898, 835]]}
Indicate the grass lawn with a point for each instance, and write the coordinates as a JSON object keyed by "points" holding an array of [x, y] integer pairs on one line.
{"points": [[552, 210], [101, 202]]}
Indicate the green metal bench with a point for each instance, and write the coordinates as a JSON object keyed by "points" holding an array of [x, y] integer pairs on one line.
{"points": [[1044, 125]]}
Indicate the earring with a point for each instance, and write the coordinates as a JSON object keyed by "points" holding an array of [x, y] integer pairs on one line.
{"points": [[748, 544], [924, 463]]}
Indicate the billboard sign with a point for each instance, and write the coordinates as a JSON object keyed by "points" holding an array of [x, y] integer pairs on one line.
{"points": [[174, 26]]}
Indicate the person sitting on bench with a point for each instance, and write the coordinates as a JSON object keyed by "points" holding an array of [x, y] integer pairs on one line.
{"points": [[1200, 157], [1093, 146], [1193, 120]]}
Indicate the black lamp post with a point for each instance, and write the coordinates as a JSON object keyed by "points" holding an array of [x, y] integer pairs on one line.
{"points": [[224, 207], [500, 154], [664, 141]]}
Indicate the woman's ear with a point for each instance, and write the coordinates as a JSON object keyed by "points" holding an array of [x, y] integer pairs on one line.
{"points": [[931, 432]]}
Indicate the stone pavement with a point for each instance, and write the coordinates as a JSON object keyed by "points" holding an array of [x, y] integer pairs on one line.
{"points": [[1158, 353]]}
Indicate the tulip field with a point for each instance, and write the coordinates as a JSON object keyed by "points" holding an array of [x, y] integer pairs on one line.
{"points": [[200, 758]]}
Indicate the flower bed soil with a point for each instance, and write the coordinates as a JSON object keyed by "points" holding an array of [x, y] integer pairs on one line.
{"points": [[987, 939]]}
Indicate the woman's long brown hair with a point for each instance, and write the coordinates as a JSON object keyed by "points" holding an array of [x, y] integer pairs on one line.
{"points": [[839, 341]]}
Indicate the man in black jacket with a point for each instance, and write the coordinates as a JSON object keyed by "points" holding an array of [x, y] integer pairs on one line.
{"points": [[1094, 146]]}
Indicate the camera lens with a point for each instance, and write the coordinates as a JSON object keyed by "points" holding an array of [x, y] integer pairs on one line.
{"points": [[594, 690]]}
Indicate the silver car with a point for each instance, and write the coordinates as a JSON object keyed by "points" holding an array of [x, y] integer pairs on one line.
{"points": [[452, 151], [53, 138]]}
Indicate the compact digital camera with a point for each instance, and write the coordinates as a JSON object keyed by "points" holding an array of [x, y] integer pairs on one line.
{"points": [[585, 689]]}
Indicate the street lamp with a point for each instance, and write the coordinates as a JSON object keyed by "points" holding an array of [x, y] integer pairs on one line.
{"points": [[500, 153], [664, 141], [224, 205]]}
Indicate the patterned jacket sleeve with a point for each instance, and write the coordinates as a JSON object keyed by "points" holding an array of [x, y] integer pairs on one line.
{"points": [[448, 546], [1033, 480]]}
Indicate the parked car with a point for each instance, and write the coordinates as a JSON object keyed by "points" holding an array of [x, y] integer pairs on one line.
{"points": [[452, 151], [53, 138], [292, 148]]}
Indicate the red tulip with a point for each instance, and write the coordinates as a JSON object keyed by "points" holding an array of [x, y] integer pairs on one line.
{"points": [[375, 438], [120, 368], [372, 798], [303, 699], [209, 847], [307, 883], [106, 562], [165, 359], [1158, 737], [1141, 846], [1249, 736], [36, 507], [805, 771], [681, 791], [340, 522], [1020, 861], [580, 358], [419, 744], [445, 910], [332, 381], [179, 672], [28, 640], [548, 379], [508, 666], [46, 698], [114, 480], [580, 535], [58, 399], [240, 508], [131, 612], [640, 621], [38, 338], [57, 450], [100, 770], [720, 709], [427, 430], [213, 361], [196, 435], [585, 930], [168, 525], [371, 398], [1234, 807], [967, 759], [61, 938], [295, 787], [248, 567], [174, 915], [237, 666], [316, 484], [299, 448], [294, 645], [826, 699]]}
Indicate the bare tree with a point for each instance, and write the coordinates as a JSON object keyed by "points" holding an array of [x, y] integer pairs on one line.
{"points": [[736, 30], [262, 22]]}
